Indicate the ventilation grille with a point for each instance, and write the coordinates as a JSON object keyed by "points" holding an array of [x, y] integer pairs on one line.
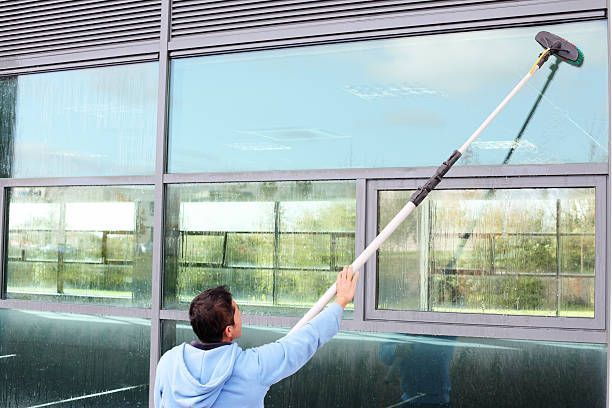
{"points": [[193, 17], [34, 27]]}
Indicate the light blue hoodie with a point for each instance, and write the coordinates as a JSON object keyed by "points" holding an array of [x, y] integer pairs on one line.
{"points": [[230, 377]]}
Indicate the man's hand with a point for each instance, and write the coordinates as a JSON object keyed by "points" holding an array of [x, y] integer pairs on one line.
{"points": [[345, 286]]}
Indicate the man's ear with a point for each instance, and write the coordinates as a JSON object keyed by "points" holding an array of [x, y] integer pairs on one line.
{"points": [[228, 333]]}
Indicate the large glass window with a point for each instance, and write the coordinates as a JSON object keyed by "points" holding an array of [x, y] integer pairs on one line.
{"points": [[80, 244], [397, 370], [527, 251], [73, 360], [275, 244], [388, 103], [88, 122]]}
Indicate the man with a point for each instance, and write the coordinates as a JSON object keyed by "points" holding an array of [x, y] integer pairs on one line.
{"points": [[217, 373]]}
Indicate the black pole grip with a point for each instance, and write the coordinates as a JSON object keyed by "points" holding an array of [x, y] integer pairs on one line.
{"points": [[419, 195]]}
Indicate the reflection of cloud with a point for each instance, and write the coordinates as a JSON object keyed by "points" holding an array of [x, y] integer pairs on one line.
{"points": [[465, 62], [368, 92], [294, 134], [505, 145], [257, 146]]}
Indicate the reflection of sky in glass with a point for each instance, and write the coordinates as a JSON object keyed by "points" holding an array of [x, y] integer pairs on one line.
{"points": [[108, 216], [259, 216], [399, 102], [98, 121]]}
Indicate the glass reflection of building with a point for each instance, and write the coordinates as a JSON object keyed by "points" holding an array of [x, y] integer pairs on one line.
{"points": [[130, 182]]}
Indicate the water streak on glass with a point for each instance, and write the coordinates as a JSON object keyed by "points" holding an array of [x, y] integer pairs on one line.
{"points": [[87, 122], [73, 360], [277, 245], [389, 103], [521, 252], [398, 370], [80, 244]]}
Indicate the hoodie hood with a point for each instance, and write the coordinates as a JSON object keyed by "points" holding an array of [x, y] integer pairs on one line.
{"points": [[198, 376]]}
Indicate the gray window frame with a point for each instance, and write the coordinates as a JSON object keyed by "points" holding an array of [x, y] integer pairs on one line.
{"points": [[498, 182]]}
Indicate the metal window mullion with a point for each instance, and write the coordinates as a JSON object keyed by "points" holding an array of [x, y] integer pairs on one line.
{"points": [[360, 244], [78, 181], [75, 308], [3, 240], [159, 197]]}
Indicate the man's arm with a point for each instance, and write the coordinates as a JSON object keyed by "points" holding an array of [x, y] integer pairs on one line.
{"points": [[284, 357]]}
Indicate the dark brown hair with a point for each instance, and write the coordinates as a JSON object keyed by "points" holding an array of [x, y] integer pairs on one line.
{"points": [[210, 313]]}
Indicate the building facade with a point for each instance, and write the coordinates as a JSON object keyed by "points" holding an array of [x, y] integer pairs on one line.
{"points": [[154, 148]]}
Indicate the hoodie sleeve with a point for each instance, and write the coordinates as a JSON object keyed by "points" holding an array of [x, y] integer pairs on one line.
{"points": [[284, 357]]}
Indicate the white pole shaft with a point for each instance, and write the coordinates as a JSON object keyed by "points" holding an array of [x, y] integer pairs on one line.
{"points": [[493, 114], [402, 215]]}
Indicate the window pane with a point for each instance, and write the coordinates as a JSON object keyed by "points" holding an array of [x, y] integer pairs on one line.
{"points": [[523, 252], [389, 103], [275, 244], [81, 244], [386, 370], [88, 122], [61, 359]]}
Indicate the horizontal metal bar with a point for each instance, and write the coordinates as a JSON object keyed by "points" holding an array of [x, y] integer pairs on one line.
{"points": [[212, 265], [223, 233], [327, 33], [77, 42], [479, 273], [422, 328], [391, 173], [103, 56], [181, 315], [107, 232], [494, 320], [74, 308], [108, 262], [78, 181]]}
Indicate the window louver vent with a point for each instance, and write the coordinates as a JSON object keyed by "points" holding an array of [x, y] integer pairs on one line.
{"points": [[34, 27], [192, 17]]}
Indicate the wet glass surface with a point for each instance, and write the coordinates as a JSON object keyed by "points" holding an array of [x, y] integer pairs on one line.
{"points": [[402, 102], [277, 245], [80, 244], [396, 370], [73, 360], [87, 122], [504, 251]]}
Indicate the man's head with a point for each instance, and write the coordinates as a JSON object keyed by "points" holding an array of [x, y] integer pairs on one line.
{"points": [[215, 316]]}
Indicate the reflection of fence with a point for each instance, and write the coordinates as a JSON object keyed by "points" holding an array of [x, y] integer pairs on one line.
{"points": [[61, 254], [497, 273], [275, 262], [64, 252], [492, 255]]}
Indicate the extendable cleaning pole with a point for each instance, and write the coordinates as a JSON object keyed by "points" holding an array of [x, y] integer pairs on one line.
{"points": [[553, 45]]}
